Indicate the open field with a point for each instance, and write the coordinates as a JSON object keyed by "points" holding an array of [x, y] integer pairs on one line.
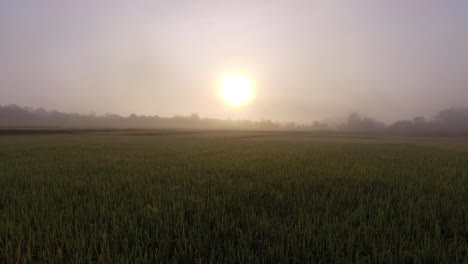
{"points": [[232, 197]]}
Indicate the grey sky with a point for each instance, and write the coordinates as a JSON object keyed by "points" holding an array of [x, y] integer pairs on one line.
{"points": [[309, 59]]}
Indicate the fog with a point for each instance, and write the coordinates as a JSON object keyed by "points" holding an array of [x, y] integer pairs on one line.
{"points": [[451, 122], [310, 60]]}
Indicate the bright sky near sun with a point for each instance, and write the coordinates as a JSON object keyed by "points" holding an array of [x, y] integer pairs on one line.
{"points": [[298, 60], [236, 90]]}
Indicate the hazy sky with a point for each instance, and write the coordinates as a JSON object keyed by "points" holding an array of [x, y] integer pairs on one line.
{"points": [[309, 59]]}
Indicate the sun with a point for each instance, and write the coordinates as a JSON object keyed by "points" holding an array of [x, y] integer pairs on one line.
{"points": [[236, 90]]}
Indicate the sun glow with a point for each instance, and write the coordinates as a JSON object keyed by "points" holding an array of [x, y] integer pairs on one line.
{"points": [[236, 90]]}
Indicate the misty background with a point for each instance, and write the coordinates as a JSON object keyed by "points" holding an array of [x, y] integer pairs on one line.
{"points": [[310, 60], [451, 122]]}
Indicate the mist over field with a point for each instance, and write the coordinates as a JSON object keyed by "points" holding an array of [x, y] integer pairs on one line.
{"points": [[234, 131], [308, 60], [447, 122]]}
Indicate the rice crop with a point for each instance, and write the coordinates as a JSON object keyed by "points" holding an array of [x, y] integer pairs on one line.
{"points": [[232, 198]]}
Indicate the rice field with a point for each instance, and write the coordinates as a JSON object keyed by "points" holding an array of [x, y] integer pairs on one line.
{"points": [[232, 197]]}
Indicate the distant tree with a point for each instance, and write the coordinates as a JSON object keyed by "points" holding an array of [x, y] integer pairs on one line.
{"points": [[318, 125], [194, 116], [357, 123], [453, 118], [402, 125], [419, 120]]}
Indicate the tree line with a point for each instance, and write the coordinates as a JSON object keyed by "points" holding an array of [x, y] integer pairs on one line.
{"points": [[447, 122]]}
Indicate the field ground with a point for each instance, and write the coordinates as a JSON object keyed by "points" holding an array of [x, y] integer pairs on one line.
{"points": [[231, 197]]}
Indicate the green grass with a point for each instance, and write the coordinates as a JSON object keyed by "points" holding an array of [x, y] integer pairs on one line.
{"points": [[232, 198]]}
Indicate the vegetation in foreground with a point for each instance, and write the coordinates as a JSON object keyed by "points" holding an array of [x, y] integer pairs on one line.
{"points": [[232, 198]]}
